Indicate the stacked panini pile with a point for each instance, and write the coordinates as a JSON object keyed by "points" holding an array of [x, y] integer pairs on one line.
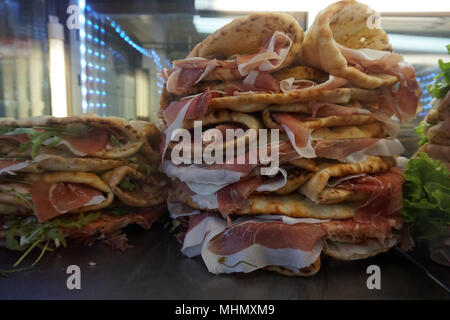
{"points": [[336, 94], [438, 130], [81, 177]]}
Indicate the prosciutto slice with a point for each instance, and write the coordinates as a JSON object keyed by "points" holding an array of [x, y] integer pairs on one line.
{"points": [[197, 107], [256, 81], [53, 199], [403, 102], [341, 149], [292, 85], [382, 147], [369, 58], [108, 224], [95, 141], [270, 56], [299, 135], [188, 72], [385, 194], [234, 197], [187, 108], [273, 235], [253, 243], [10, 166], [326, 109], [357, 150], [18, 138], [201, 180], [209, 231], [199, 226]]}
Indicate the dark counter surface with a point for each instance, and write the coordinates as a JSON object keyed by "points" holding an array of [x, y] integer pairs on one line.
{"points": [[156, 269]]}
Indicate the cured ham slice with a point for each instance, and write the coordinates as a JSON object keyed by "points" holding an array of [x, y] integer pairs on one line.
{"points": [[299, 135], [96, 140], [404, 100], [253, 243], [188, 72], [187, 108], [380, 228], [10, 166], [369, 58], [292, 85], [256, 81], [341, 149], [179, 209], [263, 80], [325, 109], [199, 226], [234, 197], [70, 196], [108, 224], [53, 199], [203, 181], [19, 138], [357, 150], [385, 194], [273, 235], [197, 106], [192, 70], [269, 57], [255, 256], [382, 147]]}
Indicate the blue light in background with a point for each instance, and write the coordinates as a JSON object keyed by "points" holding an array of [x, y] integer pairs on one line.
{"points": [[95, 48]]}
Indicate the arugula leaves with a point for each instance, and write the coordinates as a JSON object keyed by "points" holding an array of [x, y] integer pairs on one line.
{"points": [[25, 234], [6, 129], [38, 135], [25, 197], [129, 185], [421, 131], [426, 198], [142, 165], [441, 84], [114, 140]]}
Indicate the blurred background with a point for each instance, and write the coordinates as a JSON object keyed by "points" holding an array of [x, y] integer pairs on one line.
{"points": [[65, 57]]}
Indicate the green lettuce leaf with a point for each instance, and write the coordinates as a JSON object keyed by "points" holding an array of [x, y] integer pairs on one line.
{"points": [[441, 84], [421, 131], [426, 198], [25, 234]]}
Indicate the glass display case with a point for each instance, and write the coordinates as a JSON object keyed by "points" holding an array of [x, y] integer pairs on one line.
{"points": [[71, 57]]}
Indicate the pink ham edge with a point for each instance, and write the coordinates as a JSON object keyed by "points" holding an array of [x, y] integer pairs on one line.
{"points": [[46, 205], [404, 101]]}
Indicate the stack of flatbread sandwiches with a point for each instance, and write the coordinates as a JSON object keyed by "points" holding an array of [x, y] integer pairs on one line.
{"points": [[438, 130], [82, 178], [336, 94]]}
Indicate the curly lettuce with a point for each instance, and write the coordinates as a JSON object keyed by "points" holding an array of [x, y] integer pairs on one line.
{"points": [[26, 234], [421, 131], [441, 84], [426, 198]]}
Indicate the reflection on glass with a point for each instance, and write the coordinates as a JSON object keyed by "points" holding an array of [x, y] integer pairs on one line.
{"points": [[24, 82]]}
